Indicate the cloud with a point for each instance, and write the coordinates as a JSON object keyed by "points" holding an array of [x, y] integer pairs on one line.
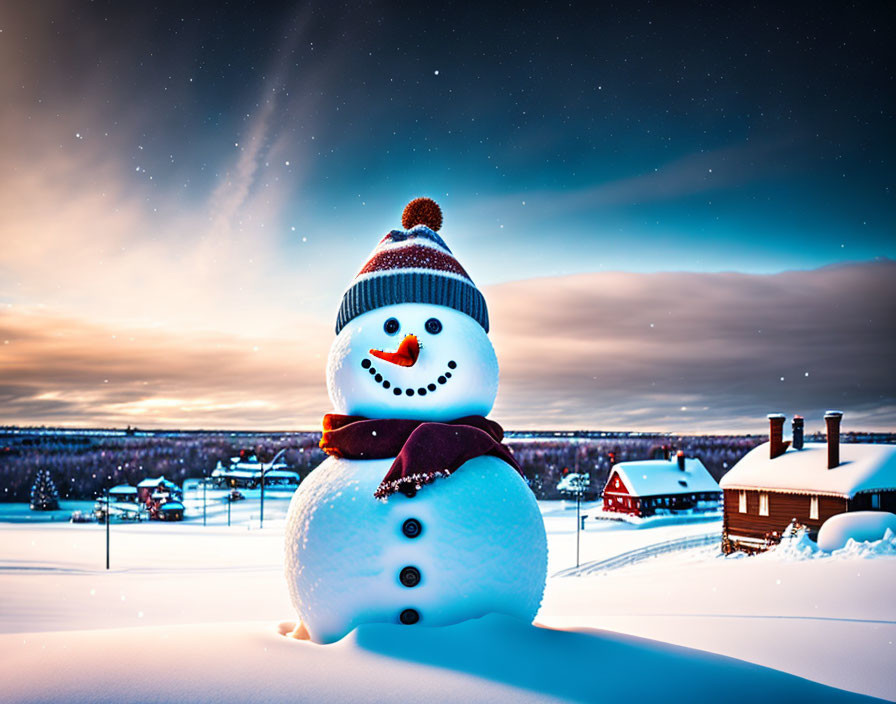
{"points": [[68, 371], [688, 352], [694, 351]]}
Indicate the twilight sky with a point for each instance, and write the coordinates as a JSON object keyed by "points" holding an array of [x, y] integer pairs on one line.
{"points": [[185, 193]]}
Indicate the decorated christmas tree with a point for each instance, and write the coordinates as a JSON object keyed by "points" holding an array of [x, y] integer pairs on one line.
{"points": [[44, 496]]}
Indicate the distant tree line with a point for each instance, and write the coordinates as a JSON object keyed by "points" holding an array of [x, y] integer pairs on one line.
{"points": [[82, 466]]}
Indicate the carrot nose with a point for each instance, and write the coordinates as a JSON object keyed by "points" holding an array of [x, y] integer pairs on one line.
{"points": [[405, 356]]}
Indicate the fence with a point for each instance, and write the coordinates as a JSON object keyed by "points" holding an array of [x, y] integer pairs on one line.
{"points": [[634, 556]]}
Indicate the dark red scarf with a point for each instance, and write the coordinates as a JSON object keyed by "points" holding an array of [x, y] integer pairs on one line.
{"points": [[423, 450]]}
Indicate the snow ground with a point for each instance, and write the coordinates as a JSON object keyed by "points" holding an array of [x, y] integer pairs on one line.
{"points": [[190, 613]]}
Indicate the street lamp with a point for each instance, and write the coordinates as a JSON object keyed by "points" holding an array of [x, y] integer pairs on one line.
{"points": [[108, 521], [263, 470]]}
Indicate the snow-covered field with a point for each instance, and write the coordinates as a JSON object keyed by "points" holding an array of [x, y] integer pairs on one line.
{"points": [[192, 613]]}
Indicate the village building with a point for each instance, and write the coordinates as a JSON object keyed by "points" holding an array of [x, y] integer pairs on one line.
{"points": [[246, 474], [156, 485], [170, 511], [662, 486], [123, 493], [779, 483]]}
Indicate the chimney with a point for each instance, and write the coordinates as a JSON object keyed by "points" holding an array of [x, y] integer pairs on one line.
{"points": [[666, 451], [797, 425], [776, 444], [832, 421], [681, 460]]}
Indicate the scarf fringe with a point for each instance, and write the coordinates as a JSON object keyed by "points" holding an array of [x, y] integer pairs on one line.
{"points": [[413, 482]]}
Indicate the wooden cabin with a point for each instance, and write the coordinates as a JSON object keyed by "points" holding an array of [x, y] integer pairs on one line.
{"points": [[664, 486], [779, 483]]}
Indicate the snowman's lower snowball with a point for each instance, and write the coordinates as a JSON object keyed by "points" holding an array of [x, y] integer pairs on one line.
{"points": [[462, 547]]}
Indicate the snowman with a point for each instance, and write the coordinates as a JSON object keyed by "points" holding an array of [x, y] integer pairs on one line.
{"points": [[419, 516]]}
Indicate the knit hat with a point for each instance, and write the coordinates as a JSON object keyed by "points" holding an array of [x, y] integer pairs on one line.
{"points": [[413, 266]]}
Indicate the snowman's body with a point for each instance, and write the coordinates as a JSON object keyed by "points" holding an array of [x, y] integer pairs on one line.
{"points": [[477, 550], [458, 548]]}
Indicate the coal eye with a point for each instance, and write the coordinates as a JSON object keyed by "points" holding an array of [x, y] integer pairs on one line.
{"points": [[391, 326], [433, 326]]}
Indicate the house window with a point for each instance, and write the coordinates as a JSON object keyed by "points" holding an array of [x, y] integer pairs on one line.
{"points": [[813, 507], [742, 502], [875, 501], [763, 504]]}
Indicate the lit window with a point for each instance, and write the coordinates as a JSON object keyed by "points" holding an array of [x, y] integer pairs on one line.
{"points": [[875, 501], [813, 507], [742, 502], [763, 504]]}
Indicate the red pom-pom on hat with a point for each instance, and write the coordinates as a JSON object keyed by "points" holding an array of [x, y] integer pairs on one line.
{"points": [[422, 211]]}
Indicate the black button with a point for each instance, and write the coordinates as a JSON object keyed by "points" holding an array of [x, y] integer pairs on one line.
{"points": [[365, 363], [447, 375], [452, 364], [412, 528], [409, 576], [387, 384], [372, 370], [442, 380], [421, 391], [431, 387], [409, 617], [409, 392], [409, 491], [378, 377], [396, 391]]}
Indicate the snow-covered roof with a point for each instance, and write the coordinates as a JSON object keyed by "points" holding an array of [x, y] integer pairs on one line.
{"points": [[281, 473], [158, 481], [863, 467], [240, 474], [663, 477], [123, 489], [257, 466]]}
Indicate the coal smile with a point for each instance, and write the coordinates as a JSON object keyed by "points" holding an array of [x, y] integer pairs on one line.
{"points": [[398, 391]]}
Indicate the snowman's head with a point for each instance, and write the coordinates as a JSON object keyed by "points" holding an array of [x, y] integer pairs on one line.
{"points": [[411, 336], [413, 360]]}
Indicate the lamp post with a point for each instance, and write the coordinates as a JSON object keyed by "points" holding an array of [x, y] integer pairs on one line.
{"points": [[578, 520], [578, 503], [204, 502], [108, 521], [263, 470]]}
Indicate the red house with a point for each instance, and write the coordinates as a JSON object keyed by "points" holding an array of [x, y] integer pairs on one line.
{"points": [[657, 487]]}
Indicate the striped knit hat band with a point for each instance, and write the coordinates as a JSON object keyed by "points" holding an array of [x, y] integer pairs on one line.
{"points": [[413, 266]]}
